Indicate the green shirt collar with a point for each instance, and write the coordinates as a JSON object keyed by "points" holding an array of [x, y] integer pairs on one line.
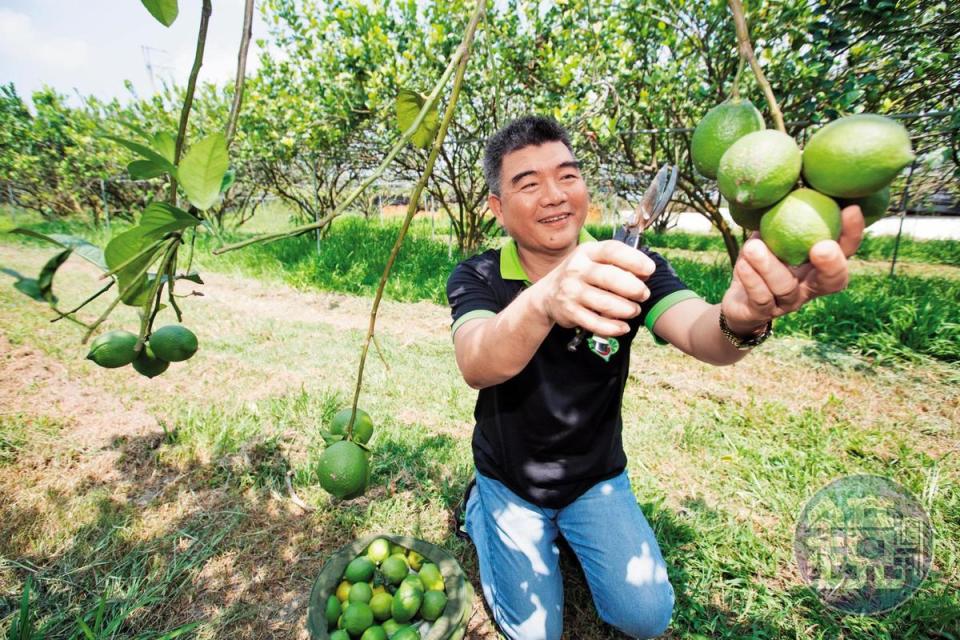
{"points": [[510, 266]]}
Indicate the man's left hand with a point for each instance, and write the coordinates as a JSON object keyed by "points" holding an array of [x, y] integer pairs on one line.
{"points": [[764, 288]]}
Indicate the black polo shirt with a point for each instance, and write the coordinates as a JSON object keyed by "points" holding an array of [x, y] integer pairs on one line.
{"points": [[553, 430]]}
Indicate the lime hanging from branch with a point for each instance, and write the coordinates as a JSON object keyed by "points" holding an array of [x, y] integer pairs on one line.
{"points": [[148, 364], [113, 349], [721, 127], [173, 343], [343, 470], [362, 428]]}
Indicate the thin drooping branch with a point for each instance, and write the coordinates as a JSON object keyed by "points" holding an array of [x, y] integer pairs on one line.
{"points": [[463, 55], [241, 70], [735, 90], [188, 98], [746, 51]]}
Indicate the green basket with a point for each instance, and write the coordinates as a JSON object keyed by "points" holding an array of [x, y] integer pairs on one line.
{"points": [[451, 625]]}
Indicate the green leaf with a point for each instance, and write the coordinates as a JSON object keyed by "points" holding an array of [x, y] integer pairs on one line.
{"points": [[145, 169], [165, 11], [45, 279], [165, 144], [409, 104], [193, 276], [122, 248], [89, 252], [228, 179], [201, 171], [30, 287], [145, 152], [160, 218]]}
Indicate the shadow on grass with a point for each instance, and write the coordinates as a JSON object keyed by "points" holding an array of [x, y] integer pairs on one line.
{"points": [[242, 563]]}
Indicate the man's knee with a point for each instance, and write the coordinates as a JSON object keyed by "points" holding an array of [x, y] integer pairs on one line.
{"points": [[530, 620], [647, 616]]}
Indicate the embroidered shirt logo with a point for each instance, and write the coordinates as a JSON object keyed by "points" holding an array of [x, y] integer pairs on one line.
{"points": [[603, 347]]}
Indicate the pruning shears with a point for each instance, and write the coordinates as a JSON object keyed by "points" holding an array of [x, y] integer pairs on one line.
{"points": [[652, 205]]}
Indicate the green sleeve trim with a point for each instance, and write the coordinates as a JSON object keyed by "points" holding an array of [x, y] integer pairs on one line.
{"points": [[662, 305], [467, 317]]}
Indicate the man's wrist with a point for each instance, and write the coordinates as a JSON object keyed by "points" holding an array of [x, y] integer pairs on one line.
{"points": [[746, 331], [746, 336]]}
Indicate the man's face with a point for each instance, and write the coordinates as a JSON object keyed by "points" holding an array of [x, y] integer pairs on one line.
{"points": [[543, 199]]}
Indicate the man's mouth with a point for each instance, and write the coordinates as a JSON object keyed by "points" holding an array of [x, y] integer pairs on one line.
{"points": [[560, 217]]}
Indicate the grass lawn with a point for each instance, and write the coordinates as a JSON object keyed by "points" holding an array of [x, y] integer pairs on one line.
{"points": [[165, 499]]}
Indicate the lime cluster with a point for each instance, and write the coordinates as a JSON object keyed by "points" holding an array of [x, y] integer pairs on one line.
{"points": [[172, 343], [849, 161], [389, 591]]}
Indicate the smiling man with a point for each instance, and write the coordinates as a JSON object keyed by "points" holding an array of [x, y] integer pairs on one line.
{"points": [[547, 443]]}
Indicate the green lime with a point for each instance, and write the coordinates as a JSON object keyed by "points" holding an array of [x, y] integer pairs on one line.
{"points": [[747, 218], [431, 578], [339, 634], [799, 221], [413, 580], [391, 626], [113, 349], [343, 469], [414, 559], [362, 428], [433, 605], [406, 633], [379, 550], [380, 604], [721, 127], [173, 343], [360, 592], [406, 602], [333, 610], [857, 155], [147, 364], [397, 549], [374, 633], [873, 207], [394, 569], [357, 618], [360, 569], [759, 169]]}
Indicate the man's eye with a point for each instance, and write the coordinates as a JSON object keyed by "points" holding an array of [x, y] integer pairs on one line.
{"points": [[570, 175], [528, 185]]}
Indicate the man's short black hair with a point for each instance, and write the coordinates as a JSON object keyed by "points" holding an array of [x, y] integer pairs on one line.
{"points": [[522, 132]]}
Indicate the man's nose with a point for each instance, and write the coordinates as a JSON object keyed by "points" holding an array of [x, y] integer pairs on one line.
{"points": [[552, 193]]}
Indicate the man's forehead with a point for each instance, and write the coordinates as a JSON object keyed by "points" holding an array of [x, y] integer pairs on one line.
{"points": [[543, 157]]}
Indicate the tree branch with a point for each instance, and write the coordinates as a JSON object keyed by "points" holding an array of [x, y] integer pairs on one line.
{"points": [[188, 98], [746, 50], [464, 55], [241, 70]]}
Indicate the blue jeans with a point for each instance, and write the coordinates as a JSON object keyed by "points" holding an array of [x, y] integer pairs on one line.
{"points": [[520, 573]]}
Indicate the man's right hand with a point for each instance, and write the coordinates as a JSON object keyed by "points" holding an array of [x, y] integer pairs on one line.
{"points": [[596, 287]]}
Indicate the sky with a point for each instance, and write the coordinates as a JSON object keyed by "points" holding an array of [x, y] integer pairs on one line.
{"points": [[92, 46]]}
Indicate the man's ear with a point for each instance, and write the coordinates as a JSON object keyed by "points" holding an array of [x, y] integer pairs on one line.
{"points": [[494, 203]]}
